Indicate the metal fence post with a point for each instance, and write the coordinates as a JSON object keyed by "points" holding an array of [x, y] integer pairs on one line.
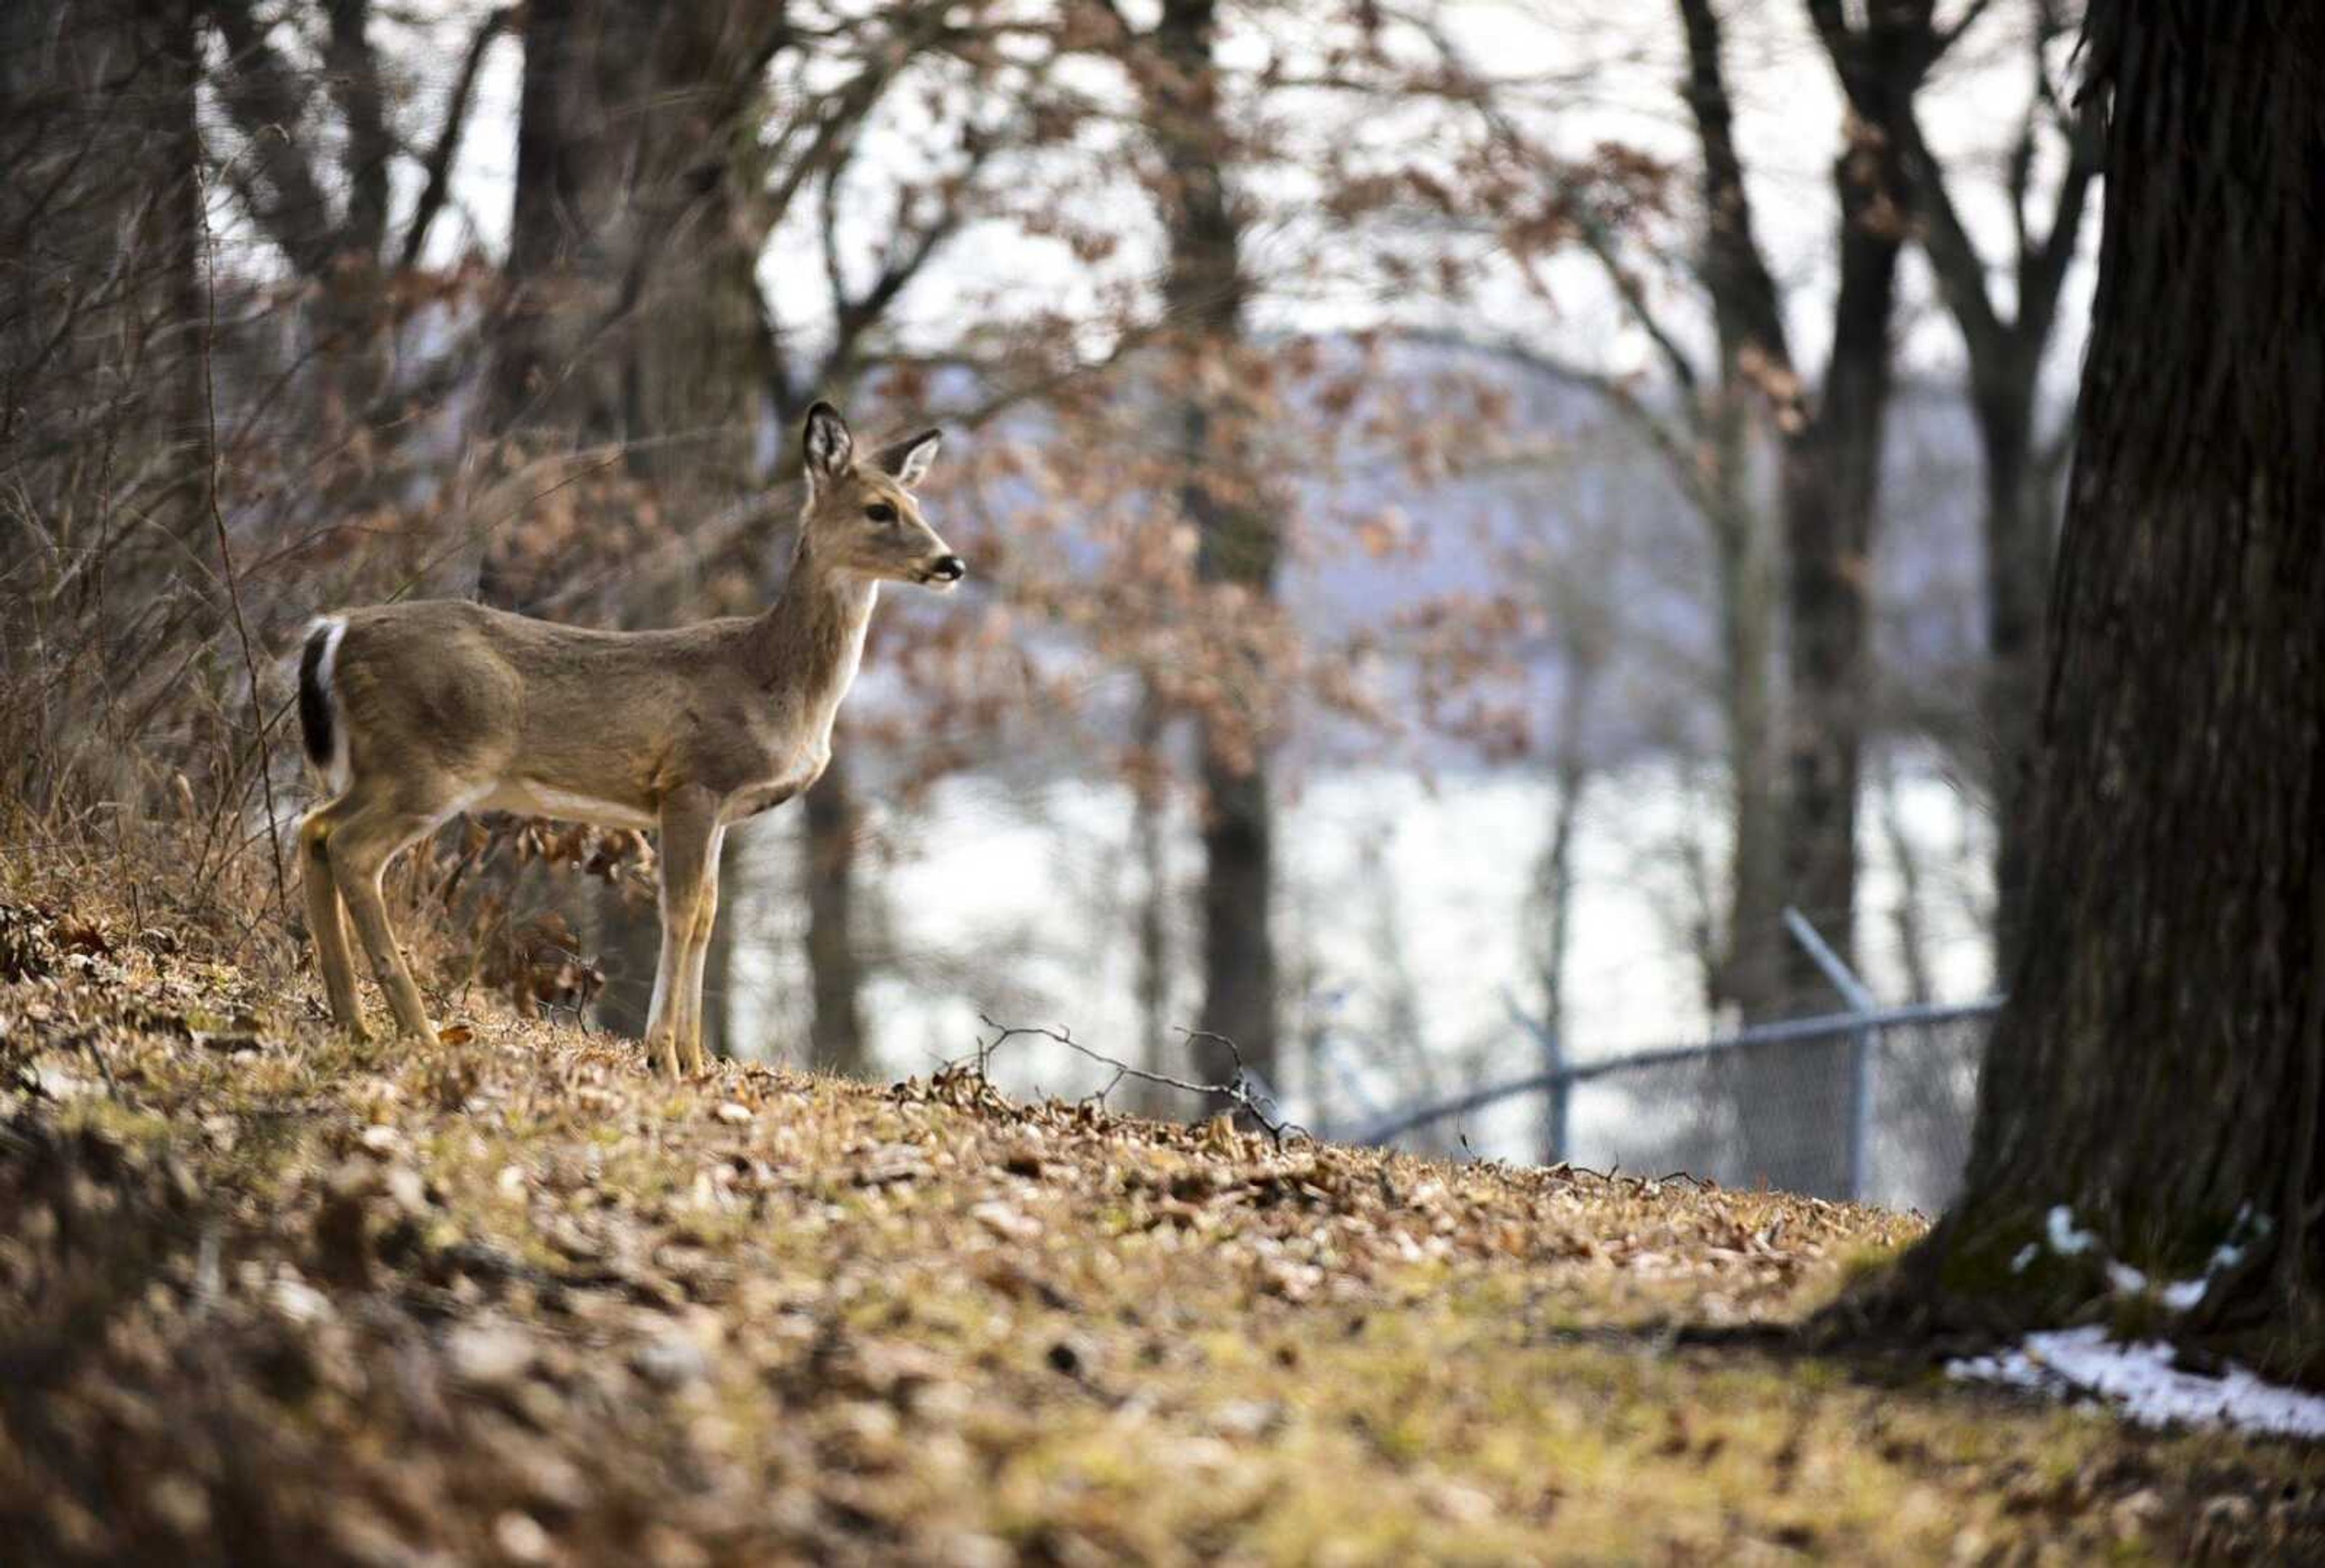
{"points": [[1860, 1053], [1562, 1090]]}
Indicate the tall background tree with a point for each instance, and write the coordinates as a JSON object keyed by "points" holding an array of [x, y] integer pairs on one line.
{"points": [[2008, 336], [655, 163], [1204, 292], [2159, 1069], [1794, 565]]}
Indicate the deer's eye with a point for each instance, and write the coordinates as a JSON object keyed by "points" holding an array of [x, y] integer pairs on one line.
{"points": [[881, 511]]}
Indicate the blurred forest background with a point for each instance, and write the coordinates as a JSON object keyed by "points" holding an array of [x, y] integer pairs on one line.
{"points": [[1471, 508]]}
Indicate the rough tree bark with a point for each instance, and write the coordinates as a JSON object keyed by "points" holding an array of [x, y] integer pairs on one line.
{"points": [[2158, 1068], [579, 86]]}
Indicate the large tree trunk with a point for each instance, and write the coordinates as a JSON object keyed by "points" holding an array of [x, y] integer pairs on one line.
{"points": [[1754, 369], [354, 322], [1751, 976], [1831, 493], [1784, 1098], [1204, 289], [633, 312], [1791, 1124], [580, 61], [2158, 1068]]}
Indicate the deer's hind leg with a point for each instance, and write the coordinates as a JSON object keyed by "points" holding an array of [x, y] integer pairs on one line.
{"points": [[325, 923], [359, 834]]}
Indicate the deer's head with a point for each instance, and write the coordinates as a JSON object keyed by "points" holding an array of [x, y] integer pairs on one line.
{"points": [[861, 517]]}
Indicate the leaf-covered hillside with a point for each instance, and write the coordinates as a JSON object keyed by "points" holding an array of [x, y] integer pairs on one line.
{"points": [[266, 1297]]}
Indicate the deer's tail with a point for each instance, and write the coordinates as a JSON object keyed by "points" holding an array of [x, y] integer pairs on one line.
{"points": [[319, 704]]}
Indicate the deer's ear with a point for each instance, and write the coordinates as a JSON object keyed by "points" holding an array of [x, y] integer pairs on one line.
{"points": [[907, 462], [827, 443]]}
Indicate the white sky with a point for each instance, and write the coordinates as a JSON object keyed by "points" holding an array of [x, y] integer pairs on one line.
{"points": [[1626, 62]]}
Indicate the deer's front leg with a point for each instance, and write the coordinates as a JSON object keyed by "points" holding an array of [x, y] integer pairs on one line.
{"points": [[689, 1030], [690, 822]]}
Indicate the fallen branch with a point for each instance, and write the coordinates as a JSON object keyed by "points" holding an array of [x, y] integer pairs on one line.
{"points": [[1245, 1091]]}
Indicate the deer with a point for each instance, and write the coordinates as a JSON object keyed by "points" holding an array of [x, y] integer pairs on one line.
{"points": [[412, 713]]}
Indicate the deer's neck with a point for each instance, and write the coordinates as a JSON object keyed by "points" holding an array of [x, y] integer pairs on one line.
{"points": [[809, 641]]}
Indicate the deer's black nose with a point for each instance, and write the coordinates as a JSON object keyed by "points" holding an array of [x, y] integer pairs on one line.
{"points": [[948, 568]]}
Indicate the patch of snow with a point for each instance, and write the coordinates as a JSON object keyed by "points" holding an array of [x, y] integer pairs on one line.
{"points": [[2069, 1240], [2182, 1295], [2066, 1239], [2145, 1387]]}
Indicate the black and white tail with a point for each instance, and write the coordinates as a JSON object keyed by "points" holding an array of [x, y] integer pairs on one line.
{"points": [[318, 707]]}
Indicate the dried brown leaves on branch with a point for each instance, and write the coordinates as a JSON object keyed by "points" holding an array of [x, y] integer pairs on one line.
{"points": [[507, 931]]}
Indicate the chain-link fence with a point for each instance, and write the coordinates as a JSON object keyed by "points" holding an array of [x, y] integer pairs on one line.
{"points": [[1873, 1105]]}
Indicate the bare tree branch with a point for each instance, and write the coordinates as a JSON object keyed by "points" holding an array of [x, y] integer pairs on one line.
{"points": [[438, 164], [263, 96], [1685, 460], [2043, 271], [1735, 271], [1241, 1091], [1947, 38], [354, 84], [2041, 262], [1961, 271]]}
